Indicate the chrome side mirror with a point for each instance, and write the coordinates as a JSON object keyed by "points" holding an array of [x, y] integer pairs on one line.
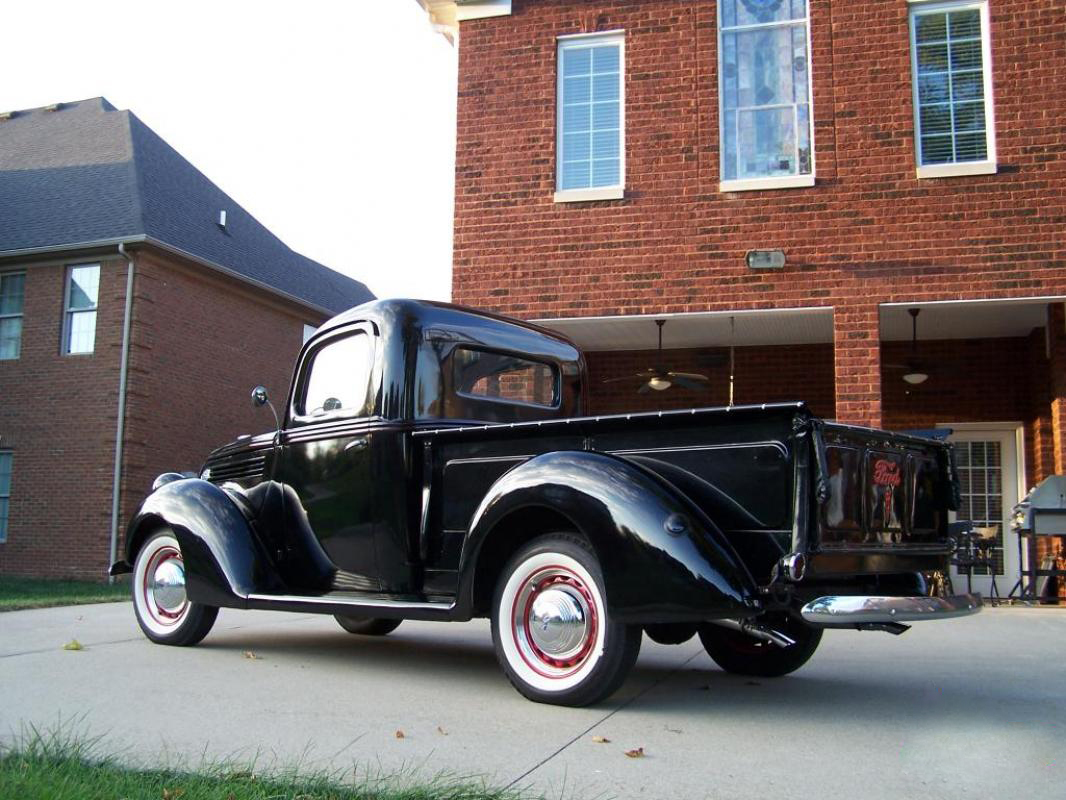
{"points": [[259, 397]]}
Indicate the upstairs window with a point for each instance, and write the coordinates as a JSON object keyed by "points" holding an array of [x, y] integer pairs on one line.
{"points": [[12, 288], [765, 93], [79, 312], [952, 82], [590, 151], [6, 457]]}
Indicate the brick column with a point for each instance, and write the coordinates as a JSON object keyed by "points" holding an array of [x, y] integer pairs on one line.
{"points": [[857, 364], [1057, 365]]}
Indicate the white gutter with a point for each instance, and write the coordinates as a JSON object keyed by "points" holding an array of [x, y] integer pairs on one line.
{"points": [[120, 425]]}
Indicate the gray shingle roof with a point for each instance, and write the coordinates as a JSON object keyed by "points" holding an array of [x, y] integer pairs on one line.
{"points": [[89, 173]]}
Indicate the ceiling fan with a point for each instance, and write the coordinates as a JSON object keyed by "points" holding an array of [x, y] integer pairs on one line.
{"points": [[914, 372], [659, 378]]}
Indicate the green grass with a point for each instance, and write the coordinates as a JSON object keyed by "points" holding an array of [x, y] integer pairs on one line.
{"points": [[51, 766], [17, 593]]}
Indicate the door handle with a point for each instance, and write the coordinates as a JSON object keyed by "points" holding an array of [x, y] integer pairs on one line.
{"points": [[356, 445]]}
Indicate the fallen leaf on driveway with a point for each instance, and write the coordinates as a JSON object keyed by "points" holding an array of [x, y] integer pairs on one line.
{"points": [[250, 655], [399, 735], [637, 752], [73, 644], [601, 740], [441, 731]]}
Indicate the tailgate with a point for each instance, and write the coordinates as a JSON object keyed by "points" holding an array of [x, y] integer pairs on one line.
{"points": [[887, 491]]}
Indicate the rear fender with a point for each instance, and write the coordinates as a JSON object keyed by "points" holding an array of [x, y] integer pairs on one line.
{"points": [[224, 561], [663, 560]]}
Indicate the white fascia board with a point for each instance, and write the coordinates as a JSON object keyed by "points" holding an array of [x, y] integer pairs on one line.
{"points": [[481, 9], [445, 15]]}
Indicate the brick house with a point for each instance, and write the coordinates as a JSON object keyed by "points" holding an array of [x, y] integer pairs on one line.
{"points": [[138, 305], [618, 162]]}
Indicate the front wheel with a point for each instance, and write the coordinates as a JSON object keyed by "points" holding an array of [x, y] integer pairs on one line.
{"points": [[163, 610], [553, 634], [737, 652]]}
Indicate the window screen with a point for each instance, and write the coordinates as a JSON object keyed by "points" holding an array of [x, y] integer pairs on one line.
{"points": [[506, 378]]}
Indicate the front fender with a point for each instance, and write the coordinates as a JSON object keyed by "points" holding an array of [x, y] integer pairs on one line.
{"points": [[224, 562], [663, 560]]}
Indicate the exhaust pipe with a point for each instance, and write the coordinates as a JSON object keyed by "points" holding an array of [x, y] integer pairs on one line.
{"points": [[756, 631]]}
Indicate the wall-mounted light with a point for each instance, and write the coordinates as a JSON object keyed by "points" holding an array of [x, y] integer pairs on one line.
{"points": [[765, 259]]}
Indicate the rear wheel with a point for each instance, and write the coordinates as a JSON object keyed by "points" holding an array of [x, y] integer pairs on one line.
{"points": [[163, 610], [553, 634], [367, 626], [737, 652]]}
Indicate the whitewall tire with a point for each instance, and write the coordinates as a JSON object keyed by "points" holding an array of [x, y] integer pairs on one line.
{"points": [[553, 634], [163, 610]]}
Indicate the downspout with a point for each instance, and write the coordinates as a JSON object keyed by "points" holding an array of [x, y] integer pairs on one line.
{"points": [[120, 425]]}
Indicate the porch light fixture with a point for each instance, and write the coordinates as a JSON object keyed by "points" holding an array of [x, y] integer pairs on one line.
{"points": [[914, 374], [765, 259], [914, 378]]}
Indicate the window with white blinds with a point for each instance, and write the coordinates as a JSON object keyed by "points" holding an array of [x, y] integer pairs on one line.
{"points": [[590, 162], [952, 88]]}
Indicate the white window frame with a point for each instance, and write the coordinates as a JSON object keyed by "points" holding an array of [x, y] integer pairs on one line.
{"points": [[5, 522], [774, 182], [988, 165], [68, 312], [576, 40], [21, 315]]}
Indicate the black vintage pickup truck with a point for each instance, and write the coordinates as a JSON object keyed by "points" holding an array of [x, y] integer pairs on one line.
{"points": [[434, 462]]}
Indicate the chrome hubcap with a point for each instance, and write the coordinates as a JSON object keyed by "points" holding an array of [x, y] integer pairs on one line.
{"points": [[557, 623], [554, 622], [167, 585]]}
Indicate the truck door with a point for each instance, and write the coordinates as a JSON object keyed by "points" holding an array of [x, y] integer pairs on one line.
{"points": [[325, 470]]}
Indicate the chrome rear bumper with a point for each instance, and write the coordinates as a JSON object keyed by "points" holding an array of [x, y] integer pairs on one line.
{"points": [[851, 610]]}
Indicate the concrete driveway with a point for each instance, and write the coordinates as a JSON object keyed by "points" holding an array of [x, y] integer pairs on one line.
{"points": [[972, 708]]}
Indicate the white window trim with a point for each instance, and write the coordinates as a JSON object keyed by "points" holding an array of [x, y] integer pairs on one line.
{"points": [[777, 181], [616, 192], [21, 314], [64, 344], [961, 168]]}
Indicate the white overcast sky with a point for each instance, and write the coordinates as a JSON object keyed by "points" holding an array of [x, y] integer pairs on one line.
{"points": [[332, 122]]}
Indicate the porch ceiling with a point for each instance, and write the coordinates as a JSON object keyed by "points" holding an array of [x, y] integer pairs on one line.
{"points": [[982, 319], [699, 329]]}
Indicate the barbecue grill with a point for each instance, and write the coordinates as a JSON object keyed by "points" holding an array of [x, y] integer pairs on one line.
{"points": [[1041, 513]]}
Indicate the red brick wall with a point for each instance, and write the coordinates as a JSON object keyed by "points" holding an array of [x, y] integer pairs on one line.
{"points": [[57, 414], [199, 344], [868, 232]]}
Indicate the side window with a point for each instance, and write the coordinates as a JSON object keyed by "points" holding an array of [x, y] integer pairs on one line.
{"points": [[952, 89], [339, 377], [505, 378], [79, 309], [6, 457], [12, 287], [764, 87]]}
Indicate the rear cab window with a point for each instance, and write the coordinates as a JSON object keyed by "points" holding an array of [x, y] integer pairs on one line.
{"points": [[503, 378]]}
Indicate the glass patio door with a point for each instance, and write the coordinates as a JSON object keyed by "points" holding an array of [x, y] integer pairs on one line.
{"points": [[988, 466]]}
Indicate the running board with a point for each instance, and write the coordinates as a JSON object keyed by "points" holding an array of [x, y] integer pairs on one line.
{"points": [[356, 606]]}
